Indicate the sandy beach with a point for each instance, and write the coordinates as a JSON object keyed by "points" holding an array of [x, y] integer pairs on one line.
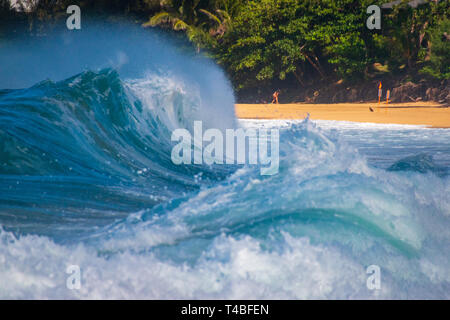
{"points": [[417, 113]]}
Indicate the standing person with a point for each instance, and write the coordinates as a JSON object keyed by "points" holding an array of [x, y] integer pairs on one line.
{"points": [[275, 96]]}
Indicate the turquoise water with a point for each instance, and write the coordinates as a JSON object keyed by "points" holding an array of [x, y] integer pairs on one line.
{"points": [[86, 179]]}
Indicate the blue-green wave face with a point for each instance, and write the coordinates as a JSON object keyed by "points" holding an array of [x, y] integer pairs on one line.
{"points": [[86, 179]]}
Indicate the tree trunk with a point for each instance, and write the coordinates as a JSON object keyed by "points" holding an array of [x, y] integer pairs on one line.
{"points": [[315, 66], [299, 79]]}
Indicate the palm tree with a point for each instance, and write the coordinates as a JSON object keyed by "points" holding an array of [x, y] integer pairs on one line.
{"points": [[201, 25]]}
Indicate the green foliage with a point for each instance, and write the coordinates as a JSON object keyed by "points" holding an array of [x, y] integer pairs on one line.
{"points": [[348, 44], [272, 39], [438, 65], [202, 20], [264, 42], [409, 33], [259, 42]]}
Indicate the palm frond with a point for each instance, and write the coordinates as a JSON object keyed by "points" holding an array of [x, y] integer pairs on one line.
{"points": [[180, 25], [211, 16], [158, 19], [224, 14]]}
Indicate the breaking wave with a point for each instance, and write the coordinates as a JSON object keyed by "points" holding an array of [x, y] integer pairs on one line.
{"points": [[86, 179]]}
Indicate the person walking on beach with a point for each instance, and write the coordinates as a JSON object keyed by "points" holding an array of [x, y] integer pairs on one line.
{"points": [[275, 96]]}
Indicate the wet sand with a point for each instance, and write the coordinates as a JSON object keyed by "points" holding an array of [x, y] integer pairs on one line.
{"points": [[419, 113]]}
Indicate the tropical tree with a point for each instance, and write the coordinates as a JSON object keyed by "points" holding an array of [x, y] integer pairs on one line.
{"points": [[309, 39], [409, 29], [438, 64], [202, 20]]}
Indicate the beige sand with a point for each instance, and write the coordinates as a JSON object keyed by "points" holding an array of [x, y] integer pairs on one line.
{"points": [[420, 113]]}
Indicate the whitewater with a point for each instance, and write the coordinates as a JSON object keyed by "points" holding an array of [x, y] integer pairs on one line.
{"points": [[86, 179]]}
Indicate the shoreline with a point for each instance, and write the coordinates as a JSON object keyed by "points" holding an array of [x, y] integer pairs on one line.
{"points": [[425, 113]]}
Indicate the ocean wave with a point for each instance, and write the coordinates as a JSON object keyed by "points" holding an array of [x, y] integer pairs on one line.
{"points": [[86, 179]]}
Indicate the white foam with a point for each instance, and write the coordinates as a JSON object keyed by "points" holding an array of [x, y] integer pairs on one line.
{"points": [[333, 124], [34, 267]]}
